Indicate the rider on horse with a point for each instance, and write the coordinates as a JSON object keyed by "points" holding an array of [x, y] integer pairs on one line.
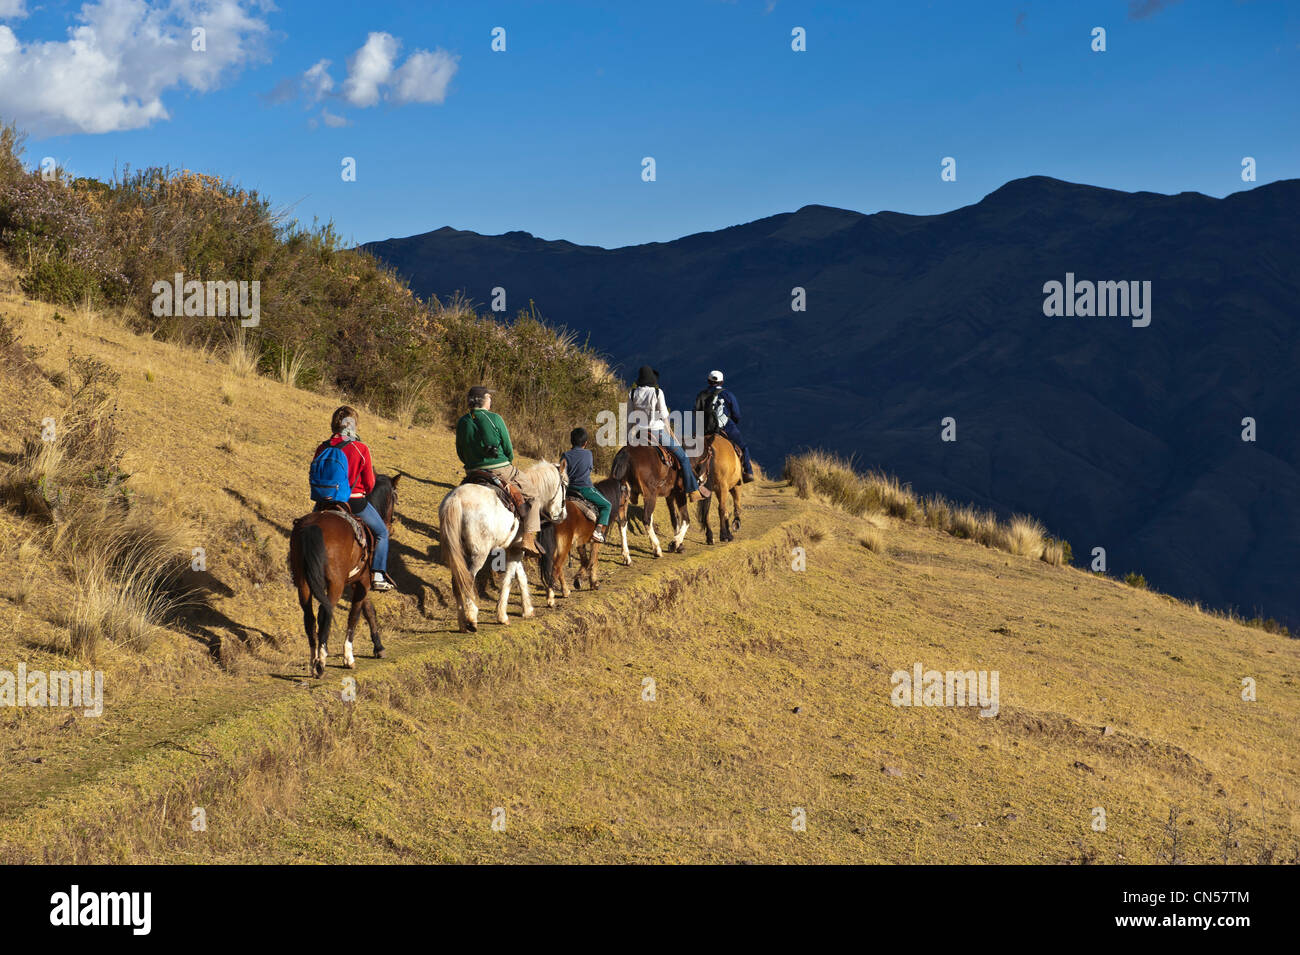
{"points": [[578, 463], [361, 481], [722, 416], [648, 424], [483, 444]]}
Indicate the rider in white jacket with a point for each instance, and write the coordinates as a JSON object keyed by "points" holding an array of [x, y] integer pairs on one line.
{"points": [[648, 424]]}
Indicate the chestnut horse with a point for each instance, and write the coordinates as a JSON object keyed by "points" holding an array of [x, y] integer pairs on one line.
{"points": [[324, 558], [557, 540], [724, 476], [642, 467]]}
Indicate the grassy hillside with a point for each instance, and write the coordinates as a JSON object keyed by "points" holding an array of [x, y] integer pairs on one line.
{"points": [[772, 685]]}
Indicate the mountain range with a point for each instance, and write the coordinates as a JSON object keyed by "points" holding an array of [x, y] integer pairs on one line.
{"points": [[1118, 432]]}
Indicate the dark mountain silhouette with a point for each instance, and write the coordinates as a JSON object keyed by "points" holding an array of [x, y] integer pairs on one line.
{"points": [[1117, 437]]}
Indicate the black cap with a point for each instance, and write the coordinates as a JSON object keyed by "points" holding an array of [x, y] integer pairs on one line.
{"points": [[480, 391]]}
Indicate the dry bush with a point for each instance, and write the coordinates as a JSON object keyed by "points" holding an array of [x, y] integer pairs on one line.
{"points": [[292, 365], [873, 539], [1025, 537], [243, 354]]}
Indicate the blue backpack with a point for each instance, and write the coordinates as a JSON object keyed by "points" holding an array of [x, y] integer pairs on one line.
{"points": [[329, 475]]}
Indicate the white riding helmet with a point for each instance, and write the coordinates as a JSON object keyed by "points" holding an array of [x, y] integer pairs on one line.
{"points": [[715, 377]]}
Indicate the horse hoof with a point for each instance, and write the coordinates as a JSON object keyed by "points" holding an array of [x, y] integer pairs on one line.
{"points": [[577, 584], [628, 562], [318, 670], [469, 628], [529, 613], [380, 654]]}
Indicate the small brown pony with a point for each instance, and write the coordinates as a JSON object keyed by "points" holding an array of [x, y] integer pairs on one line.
{"points": [[557, 541], [325, 558], [724, 475], [647, 474]]}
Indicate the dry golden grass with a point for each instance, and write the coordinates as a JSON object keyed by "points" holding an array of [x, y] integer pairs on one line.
{"points": [[772, 685]]}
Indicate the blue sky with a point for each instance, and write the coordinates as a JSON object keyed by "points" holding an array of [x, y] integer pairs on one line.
{"points": [[548, 136]]}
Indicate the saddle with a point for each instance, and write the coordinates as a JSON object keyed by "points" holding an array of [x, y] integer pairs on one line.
{"points": [[508, 493], [365, 539], [584, 505]]}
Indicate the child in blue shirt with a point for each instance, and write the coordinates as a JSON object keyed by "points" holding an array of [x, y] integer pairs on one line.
{"points": [[578, 463]]}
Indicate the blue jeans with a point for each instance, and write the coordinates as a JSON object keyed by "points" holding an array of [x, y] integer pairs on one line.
{"points": [[668, 441], [370, 517]]}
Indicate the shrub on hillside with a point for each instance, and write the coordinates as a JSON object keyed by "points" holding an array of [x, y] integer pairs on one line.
{"points": [[330, 318], [835, 480], [125, 555]]}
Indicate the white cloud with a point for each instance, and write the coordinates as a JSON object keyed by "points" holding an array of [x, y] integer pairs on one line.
{"points": [[369, 68], [13, 9], [424, 77], [112, 71], [317, 81], [329, 119]]}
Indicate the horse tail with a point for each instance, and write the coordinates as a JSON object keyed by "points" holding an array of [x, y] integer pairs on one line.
{"points": [[315, 564], [548, 545], [452, 550], [621, 466]]}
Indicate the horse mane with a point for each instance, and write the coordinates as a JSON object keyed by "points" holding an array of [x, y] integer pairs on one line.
{"points": [[381, 493]]}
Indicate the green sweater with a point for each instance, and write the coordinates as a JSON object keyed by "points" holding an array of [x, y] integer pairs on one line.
{"points": [[483, 440]]}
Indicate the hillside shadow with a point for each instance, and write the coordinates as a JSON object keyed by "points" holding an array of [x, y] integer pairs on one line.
{"points": [[284, 531], [406, 476], [198, 619]]}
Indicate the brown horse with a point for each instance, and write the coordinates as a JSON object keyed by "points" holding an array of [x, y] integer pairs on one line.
{"points": [[557, 541], [325, 558], [724, 476], [646, 473]]}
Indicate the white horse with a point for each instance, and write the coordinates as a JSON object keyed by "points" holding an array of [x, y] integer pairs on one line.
{"points": [[475, 524]]}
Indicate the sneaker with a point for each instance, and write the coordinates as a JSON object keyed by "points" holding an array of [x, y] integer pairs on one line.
{"points": [[597, 536], [379, 581]]}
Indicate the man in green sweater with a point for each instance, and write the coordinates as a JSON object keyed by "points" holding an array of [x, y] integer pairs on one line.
{"points": [[483, 444]]}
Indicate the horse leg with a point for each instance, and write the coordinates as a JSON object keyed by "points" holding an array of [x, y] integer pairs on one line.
{"points": [[649, 511], [704, 519], [503, 597], [681, 518], [323, 638], [525, 598], [354, 614], [622, 530], [724, 525], [308, 623], [369, 610], [589, 558], [561, 563], [735, 500]]}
